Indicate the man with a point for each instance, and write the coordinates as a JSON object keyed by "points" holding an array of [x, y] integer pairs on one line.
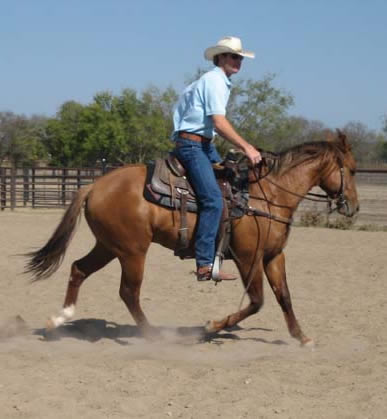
{"points": [[199, 114]]}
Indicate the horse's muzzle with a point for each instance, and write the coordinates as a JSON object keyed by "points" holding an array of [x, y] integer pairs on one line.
{"points": [[347, 208]]}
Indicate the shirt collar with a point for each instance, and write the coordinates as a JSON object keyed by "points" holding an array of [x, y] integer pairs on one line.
{"points": [[226, 79]]}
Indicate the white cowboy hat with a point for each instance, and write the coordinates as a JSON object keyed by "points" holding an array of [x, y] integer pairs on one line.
{"points": [[229, 44]]}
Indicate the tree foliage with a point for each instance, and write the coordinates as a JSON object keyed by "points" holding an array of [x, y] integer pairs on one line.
{"points": [[382, 146], [20, 138], [365, 142], [384, 128], [127, 128], [257, 110], [134, 127]]}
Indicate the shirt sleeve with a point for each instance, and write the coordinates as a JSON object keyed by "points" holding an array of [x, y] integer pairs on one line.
{"points": [[215, 95]]}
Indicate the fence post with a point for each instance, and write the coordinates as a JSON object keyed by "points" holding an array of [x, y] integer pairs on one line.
{"points": [[26, 186], [104, 164], [33, 195], [3, 188], [13, 187], [64, 173]]}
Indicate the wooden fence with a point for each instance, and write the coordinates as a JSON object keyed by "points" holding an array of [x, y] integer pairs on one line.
{"points": [[47, 187], [43, 187]]}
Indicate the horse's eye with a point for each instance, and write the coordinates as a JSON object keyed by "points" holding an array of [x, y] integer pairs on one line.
{"points": [[352, 172]]}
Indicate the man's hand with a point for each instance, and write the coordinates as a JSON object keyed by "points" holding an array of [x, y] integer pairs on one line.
{"points": [[253, 154], [226, 130]]}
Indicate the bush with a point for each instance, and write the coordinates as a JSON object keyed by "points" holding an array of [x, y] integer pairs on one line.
{"points": [[315, 218], [312, 219], [372, 227], [341, 223]]}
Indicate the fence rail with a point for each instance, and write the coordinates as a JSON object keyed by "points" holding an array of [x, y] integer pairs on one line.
{"points": [[47, 187], [43, 187]]}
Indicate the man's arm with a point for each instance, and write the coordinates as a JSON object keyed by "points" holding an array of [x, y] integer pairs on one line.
{"points": [[226, 130]]}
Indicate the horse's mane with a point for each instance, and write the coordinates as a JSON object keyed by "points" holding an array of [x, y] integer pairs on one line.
{"points": [[302, 153]]}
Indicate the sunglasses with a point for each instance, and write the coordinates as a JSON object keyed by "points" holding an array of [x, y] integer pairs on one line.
{"points": [[236, 56]]}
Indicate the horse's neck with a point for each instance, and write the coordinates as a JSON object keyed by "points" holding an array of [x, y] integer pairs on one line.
{"points": [[288, 189]]}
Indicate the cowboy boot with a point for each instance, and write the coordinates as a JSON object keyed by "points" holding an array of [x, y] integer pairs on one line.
{"points": [[204, 273]]}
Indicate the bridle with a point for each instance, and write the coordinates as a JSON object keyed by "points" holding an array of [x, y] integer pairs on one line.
{"points": [[338, 197]]}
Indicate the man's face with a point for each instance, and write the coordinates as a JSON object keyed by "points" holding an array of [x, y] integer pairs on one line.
{"points": [[230, 63]]}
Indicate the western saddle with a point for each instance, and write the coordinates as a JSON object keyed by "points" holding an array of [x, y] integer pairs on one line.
{"points": [[167, 185]]}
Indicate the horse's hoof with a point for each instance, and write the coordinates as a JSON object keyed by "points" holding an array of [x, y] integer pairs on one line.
{"points": [[151, 333], [50, 325], [210, 327], [308, 343]]}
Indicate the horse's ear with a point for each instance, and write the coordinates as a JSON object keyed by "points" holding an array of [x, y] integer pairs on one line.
{"points": [[329, 135], [342, 141]]}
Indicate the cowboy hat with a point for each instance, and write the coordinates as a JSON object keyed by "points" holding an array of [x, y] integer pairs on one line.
{"points": [[229, 44]]}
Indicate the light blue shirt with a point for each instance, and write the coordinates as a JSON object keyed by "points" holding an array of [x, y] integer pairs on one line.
{"points": [[204, 97]]}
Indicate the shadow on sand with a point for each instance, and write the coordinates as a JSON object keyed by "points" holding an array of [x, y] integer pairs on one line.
{"points": [[93, 330]]}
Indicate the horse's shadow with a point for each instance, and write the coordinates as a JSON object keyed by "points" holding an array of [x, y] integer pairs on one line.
{"points": [[93, 330]]}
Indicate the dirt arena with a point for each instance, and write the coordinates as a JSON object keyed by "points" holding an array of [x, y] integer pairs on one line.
{"points": [[98, 367]]}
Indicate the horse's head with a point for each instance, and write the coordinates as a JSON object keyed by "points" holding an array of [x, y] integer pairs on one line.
{"points": [[338, 180]]}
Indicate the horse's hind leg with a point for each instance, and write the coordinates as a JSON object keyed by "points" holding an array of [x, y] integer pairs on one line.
{"points": [[96, 259], [276, 275]]}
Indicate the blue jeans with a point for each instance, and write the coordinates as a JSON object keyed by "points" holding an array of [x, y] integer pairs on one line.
{"points": [[197, 158]]}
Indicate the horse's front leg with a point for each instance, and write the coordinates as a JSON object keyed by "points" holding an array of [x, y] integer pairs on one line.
{"points": [[276, 275], [253, 284], [132, 265]]}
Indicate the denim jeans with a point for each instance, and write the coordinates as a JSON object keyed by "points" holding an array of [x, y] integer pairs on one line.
{"points": [[197, 158]]}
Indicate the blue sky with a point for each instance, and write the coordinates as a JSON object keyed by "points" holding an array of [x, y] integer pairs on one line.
{"points": [[331, 55]]}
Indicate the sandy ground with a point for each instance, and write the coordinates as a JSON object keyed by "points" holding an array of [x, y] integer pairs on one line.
{"points": [[98, 367]]}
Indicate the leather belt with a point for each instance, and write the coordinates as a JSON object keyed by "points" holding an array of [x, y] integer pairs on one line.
{"points": [[194, 137]]}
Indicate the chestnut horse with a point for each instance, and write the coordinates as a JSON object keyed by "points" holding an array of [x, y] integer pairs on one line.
{"points": [[125, 224]]}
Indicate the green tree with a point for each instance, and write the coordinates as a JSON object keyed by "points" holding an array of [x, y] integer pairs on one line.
{"points": [[147, 122], [382, 145], [294, 130], [63, 135], [20, 138], [365, 143], [382, 151], [126, 128], [258, 111], [103, 133]]}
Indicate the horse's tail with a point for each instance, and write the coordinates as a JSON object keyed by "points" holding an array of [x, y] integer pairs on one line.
{"points": [[45, 261]]}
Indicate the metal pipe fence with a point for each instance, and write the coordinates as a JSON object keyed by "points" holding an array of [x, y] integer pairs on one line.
{"points": [[50, 187], [43, 187]]}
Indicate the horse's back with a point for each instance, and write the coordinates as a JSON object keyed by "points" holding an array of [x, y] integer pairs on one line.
{"points": [[118, 186], [117, 198]]}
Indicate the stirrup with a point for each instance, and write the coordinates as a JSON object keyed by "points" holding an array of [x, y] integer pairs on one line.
{"points": [[216, 267]]}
